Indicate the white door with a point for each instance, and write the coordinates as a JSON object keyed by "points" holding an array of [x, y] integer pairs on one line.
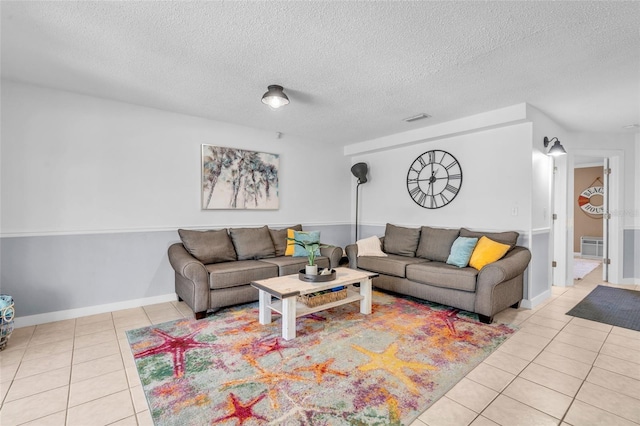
{"points": [[606, 216]]}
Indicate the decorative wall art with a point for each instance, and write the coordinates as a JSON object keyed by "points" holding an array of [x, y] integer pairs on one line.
{"points": [[239, 179], [587, 204]]}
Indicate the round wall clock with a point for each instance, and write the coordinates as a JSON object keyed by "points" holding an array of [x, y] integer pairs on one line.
{"points": [[434, 179]]}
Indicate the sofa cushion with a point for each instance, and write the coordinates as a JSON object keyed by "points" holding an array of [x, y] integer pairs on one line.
{"points": [[400, 240], [442, 275], [208, 246], [288, 265], [279, 238], [435, 243], [393, 264], [509, 237], [487, 251], [370, 247], [291, 245], [252, 243], [461, 251], [232, 274]]}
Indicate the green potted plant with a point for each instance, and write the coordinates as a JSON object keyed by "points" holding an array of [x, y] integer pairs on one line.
{"points": [[311, 247]]}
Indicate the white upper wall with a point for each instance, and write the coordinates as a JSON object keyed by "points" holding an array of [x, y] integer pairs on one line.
{"points": [[80, 164], [76, 164], [542, 167], [495, 193]]}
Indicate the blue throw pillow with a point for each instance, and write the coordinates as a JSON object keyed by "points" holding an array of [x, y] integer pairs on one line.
{"points": [[307, 237], [461, 251]]}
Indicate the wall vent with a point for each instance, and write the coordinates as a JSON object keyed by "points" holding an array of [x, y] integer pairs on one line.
{"points": [[416, 117]]}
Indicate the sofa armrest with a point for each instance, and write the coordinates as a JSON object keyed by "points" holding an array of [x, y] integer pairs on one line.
{"points": [[510, 266], [334, 253], [186, 265], [191, 280], [352, 254], [500, 284]]}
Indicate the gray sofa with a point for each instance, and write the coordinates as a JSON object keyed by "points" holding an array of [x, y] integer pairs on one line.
{"points": [[214, 269], [416, 266]]}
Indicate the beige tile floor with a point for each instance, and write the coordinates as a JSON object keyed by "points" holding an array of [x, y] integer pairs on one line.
{"points": [[555, 370]]}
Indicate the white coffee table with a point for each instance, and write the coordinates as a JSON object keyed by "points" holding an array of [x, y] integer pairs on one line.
{"points": [[286, 290]]}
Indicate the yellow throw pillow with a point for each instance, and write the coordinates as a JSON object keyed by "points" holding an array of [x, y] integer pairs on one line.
{"points": [[291, 245], [487, 251]]}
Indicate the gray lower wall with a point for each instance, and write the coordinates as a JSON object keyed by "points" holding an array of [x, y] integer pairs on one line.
{"points": [[337, 235], [366, 231], [631, 259], [55, 273], [539, 266]]}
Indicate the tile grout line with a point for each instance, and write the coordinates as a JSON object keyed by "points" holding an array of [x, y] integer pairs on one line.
{"points": [[129, 381], [592, 365], [129, 384], [68, 384], [518, 375], [573, 400], [124, 368], [609, 333], [497, 393], [13, 377], [29, 343], [73, 350], [532, 362]]}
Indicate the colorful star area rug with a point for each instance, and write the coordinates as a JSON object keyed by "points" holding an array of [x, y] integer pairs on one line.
{"points": [[343, 368]]}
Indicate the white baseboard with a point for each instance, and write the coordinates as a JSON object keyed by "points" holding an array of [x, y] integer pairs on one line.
{"points": [[530, 304], [630, 281], [91, 310]]}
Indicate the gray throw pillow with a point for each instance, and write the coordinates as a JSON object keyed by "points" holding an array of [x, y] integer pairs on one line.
{"points": [[208, 246], [400, 240], [279, 238], [509, 237], [252, 243], [435, 243]]}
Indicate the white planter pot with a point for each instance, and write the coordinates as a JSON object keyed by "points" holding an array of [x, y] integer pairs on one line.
{"points": [[311, 270]]}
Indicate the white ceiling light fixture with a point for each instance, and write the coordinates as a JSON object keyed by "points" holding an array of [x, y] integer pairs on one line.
{"points": [[275, 97]]}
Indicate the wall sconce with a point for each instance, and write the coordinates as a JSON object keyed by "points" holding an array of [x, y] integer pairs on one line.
{"points": [[359, 170], [275, 97], [556, 149]]}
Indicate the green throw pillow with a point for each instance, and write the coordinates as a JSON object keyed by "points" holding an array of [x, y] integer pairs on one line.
{"points": [[461, 251], [307, 237]]}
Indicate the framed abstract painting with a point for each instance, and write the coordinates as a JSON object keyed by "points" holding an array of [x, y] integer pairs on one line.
{"points": [[239, 179]]}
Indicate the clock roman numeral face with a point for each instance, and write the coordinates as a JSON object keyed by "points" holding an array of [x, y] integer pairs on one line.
{"points": [[434, 179]]}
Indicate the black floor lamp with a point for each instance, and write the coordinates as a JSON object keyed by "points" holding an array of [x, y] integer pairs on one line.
{"points": [[359, 170]]}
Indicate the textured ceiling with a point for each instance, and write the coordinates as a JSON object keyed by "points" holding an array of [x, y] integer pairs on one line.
{"points": [[353, 70]]}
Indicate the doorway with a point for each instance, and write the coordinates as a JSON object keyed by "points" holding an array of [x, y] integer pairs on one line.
{"points": [[590, 234], [564, 196]]}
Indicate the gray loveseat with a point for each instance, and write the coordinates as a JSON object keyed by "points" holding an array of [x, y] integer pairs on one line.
{"points": [[416, 266], [214, 269]]}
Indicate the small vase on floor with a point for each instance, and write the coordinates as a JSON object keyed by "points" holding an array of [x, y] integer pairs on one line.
{"points": [[311, 269]]}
